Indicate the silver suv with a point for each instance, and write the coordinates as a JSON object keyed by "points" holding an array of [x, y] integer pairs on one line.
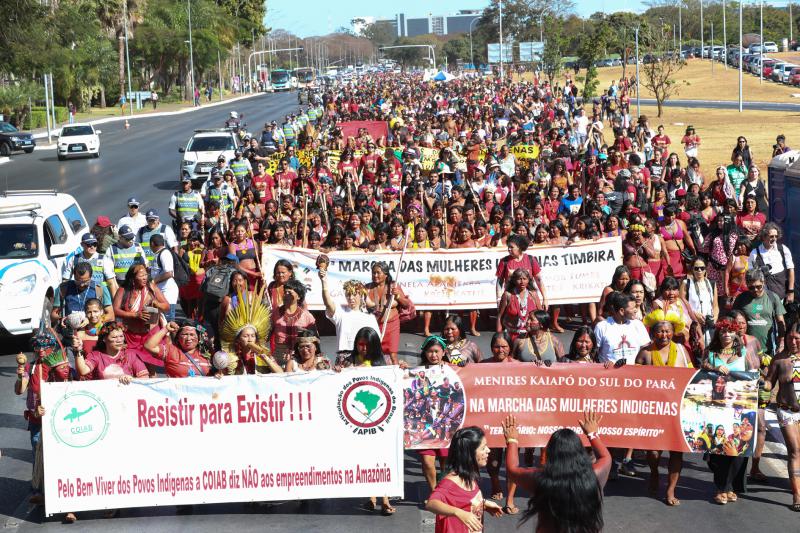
{"points": [[201, 152]]}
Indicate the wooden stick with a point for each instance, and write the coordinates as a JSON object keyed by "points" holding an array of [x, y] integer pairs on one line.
{"points": [[305, 218], [388, 310]]}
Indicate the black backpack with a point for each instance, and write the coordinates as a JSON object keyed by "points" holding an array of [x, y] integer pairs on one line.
{"points": [[217, 283], [180, 268]]}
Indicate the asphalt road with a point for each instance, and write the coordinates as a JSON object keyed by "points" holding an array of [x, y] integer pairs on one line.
{"points": [[143, 161], [725, 104]]}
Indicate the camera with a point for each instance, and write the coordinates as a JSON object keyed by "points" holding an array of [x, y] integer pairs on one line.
{"points": [[709, 322]]}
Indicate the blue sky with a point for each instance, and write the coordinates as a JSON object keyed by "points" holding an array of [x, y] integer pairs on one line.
{"points": [[318, 17]]}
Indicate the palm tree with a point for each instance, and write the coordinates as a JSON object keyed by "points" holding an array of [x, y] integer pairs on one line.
{"points": [[112, 17]]}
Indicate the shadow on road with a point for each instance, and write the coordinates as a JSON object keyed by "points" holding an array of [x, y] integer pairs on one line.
{"points": [[171, 185]]}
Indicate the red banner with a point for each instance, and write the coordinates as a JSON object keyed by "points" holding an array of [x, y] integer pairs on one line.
{"points": [[376, 128], [642, 407]]}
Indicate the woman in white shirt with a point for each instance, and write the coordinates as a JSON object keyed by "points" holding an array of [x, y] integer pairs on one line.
{"points": [[350, 318], [702, 297]]}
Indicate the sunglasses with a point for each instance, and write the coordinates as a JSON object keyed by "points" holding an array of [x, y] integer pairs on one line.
{"points": [[756, 287], [90, 244], [699, 269]]}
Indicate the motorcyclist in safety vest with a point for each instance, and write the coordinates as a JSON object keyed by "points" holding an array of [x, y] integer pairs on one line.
{"points": [[186, 205]]}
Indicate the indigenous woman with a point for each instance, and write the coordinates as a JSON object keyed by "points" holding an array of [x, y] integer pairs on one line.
{"points": [[138, 303], [583, 348], [725, 354], [677, 238], [386, 298], [190, 294], [619, 280], [460, 351], [185, 350], [289, 318], [457, 501], [539, 345], [244, 337], [669, 299], [282, 272], [95, 318], [735, 271], [307, 354], [664, 352], [111, 359], [637, 253], [517, 301], [567, 491], [245, 250]]}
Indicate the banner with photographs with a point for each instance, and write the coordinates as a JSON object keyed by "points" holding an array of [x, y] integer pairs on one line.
{"points": [[643, 407]]}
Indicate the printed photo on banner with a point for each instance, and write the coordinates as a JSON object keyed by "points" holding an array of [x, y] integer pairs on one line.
{"points": [[434, 407], [719, 409]]}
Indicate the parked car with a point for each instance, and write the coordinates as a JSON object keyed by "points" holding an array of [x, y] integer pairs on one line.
{"points": [[794, 76], [770, 47], [766, 68], [77, 140], [775, 70], [12, 140], [781, 74]]}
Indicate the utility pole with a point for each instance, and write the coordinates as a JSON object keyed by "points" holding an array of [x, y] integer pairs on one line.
{"points": [[638, 103], [501, 40], [219, 68], [724, 35], [740, 57], [47, 107], [761, 50], [711, 50], [702, 42], [680, 28], [191, 49], [127, 56], [791, 23]]}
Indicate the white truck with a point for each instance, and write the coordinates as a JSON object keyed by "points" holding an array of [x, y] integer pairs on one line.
{"points": [[39, 232]]}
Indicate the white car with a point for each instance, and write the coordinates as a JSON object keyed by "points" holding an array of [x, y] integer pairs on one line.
{"points": [[39, 232], [201, 152], [770, 47], [77, 140]]}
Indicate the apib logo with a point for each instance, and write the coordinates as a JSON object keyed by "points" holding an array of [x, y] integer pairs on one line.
{"points": [[366, 405], [79, 419]]}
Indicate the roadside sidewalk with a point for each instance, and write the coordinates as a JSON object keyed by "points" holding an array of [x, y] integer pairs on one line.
{"points": [[42, 134]]}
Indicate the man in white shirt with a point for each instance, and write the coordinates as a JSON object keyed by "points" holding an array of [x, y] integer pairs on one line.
{"points": [[620, 336], [581, 122], [134, 219], [162, 270], [776, 259], [350, 318]]}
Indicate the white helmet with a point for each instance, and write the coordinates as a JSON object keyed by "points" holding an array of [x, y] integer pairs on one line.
{"points": [[234, 114]]}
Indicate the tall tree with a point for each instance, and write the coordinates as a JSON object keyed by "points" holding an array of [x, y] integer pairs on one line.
{"points": [[659, 72], [114, 16], [554, 46]]}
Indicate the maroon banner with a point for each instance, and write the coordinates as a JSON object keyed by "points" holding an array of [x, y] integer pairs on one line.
{"points": [[376, 128]]}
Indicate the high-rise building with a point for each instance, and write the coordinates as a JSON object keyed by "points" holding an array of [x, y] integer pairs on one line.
{"points": [[436, 24]]}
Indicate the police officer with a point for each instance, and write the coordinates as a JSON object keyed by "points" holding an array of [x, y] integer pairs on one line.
{"points": [[268, 140], [218, 191], [277, 134], [155, 227], [123, 255], [289, 132], [242, 170], [186, 204], [89, 255]]}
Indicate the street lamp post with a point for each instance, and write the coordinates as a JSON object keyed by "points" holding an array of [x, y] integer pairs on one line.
{"points": [[638, 102], [702, 42], [740, 57], [127, 56], [471, 55], [191, 49], [501, 39], [680, 28], [724, 34], [761, 50]]}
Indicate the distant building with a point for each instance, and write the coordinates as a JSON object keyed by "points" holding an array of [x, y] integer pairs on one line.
{"points": [[436, 24]]}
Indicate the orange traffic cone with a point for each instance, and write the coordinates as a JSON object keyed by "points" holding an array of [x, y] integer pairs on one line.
{"points": [[127, 125]]}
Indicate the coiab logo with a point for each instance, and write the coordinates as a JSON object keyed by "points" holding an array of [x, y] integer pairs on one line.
{"points": [[79, 419]]}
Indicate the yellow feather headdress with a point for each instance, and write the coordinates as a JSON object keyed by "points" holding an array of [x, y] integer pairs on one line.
{"points": [[251, 312]]}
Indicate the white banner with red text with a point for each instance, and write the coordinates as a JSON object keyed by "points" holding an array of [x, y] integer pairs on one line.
{"points": [[204, 440], [460, 278]]}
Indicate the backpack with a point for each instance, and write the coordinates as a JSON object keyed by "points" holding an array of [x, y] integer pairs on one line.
{"points": [[180, 269], [217, 283]]}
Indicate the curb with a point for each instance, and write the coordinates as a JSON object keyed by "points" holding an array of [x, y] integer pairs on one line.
{"points": [[57, 131], [4, 160]]}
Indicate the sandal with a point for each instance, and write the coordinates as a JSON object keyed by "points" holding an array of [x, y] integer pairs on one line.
{"points": [[732, 496], [388, 510], [497, 495], [70, 518], [511, 509], [721, 498], [370, 505], [758, 477], [672, 502], [795, 507]]}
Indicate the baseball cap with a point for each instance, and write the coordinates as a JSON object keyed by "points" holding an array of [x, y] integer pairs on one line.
{"points": [[237, 152], [186, 178], [232, 257], [680, 193], [221, 159], [624, 173], [215, 173], [153, 213], [126, 232], [103, 222], [133, 201], [88, 238]]}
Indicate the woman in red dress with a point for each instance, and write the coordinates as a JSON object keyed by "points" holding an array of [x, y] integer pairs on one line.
{"points": [[518, 301], [382, 293]]}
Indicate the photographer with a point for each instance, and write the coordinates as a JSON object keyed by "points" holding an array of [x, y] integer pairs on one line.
{"points": [[775, 261]]}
